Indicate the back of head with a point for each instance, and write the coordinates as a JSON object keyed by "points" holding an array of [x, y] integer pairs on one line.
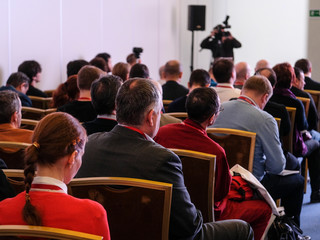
{"points": [[222, 70], [57, 135], [139, 70], [131, 59], [121, 70], [199, 77], [242, 70], [268, 73], [107, 58], [87, 75], [258, 84], [135, 98], [298, 72], [30, 68], [18, 78], [304, 64], [202, 103], [66, 92], [103, 94], [285, 75], [99, 63], [262, 64], [73, 67], [9, 104], [172, 69]]}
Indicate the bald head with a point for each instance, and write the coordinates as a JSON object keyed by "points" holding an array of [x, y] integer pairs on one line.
{"points": [[262, 64], [172, 70], [242, 70]]}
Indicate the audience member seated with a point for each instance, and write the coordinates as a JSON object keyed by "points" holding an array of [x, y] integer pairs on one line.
{"points": [[306, 66], [56, 152], [132, 59], [99, 63], [121, 70], [242, 73], [203, 107], [129, 151], [66, 92], [246, 113], [73, 67], [262, 64], [103, 97], [162, 79], [297, 89], [139, 70], [82, 108], [172, 89], [225, 74], [275, 109], [19, 83], [10, 119], [303, 145], [6, 191], [198, 78], [107, 58], [33, 70]]}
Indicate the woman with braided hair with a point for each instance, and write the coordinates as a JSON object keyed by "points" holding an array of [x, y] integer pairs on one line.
{"points": [[56, 152]]}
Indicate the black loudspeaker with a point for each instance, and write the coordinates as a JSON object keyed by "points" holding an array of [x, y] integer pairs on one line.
{"points": [[196, 17]]}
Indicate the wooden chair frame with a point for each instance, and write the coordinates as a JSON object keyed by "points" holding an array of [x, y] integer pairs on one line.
{"points": [[45, 232], [49, 92], [28, 123], [287, 141], [131, 182], [193, 157], [36, 113], [13, 159], [181, 115], [316, 98], [306, 104], [219, 132], [40, 102], [166, 104], [16, 178]]}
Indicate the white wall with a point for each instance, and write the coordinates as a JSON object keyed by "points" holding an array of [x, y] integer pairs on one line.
{"points": [[53, 32]]}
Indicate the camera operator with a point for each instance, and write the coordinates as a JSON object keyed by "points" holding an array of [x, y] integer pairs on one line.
{"points": [[220, 42]]}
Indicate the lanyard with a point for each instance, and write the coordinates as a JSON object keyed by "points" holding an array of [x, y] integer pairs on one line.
{"points": [[247, 100]]}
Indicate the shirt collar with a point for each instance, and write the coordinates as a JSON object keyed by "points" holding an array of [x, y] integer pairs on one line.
{"points": [[50, 181], [227, 85]]}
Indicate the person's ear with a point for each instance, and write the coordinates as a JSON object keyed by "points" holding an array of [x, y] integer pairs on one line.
{"points": [[149, 118], [15, 118], [72, 158], [211, 119]]}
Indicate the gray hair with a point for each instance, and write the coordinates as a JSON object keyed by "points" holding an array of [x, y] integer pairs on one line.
{"points": [[135, 99], [9, 104]]}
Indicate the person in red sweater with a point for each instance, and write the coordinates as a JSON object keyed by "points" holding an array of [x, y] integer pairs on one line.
{"points": [[203, 106], [56, 153]]}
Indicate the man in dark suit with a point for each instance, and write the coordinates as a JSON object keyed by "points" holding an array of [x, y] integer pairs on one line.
{"points": [[103, 97], [306, 67], [129, 151], [172, 89]]}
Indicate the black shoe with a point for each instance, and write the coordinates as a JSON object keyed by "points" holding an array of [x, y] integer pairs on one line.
{"points": [[315, 197]]}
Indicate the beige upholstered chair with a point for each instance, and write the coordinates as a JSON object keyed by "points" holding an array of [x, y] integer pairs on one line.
{"points": [[181, 115], [142, 206]]}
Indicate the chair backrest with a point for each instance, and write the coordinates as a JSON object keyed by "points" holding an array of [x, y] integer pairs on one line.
{"points": [[199, 175], [287, 141], [40, 102], [316, 98], [13, 159], [239, 145], [278, 122], [49, 92], [306, 104], [16, 178], [33, 232], [166, 104], [181, 115], [136, 208], [35, 113], [28, 123]]}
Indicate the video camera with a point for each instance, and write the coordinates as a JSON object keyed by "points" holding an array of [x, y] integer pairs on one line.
{"points": [[221, 27], [137, 51]]}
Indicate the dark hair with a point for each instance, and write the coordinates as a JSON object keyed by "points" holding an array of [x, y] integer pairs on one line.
{"points": [[285, 75], [121, 70], [66, 92], [139, 70], [103, 93], [272, 77], [202, 103], [304, 64], [73, 67], [222, 70], [87, 75], [106, 57], [99, 63], [17, 78], [30, 68], [131, 59], [200, 77], [55, 136], [136, 97], [172, 68], [298, 72], [9, 104]]}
